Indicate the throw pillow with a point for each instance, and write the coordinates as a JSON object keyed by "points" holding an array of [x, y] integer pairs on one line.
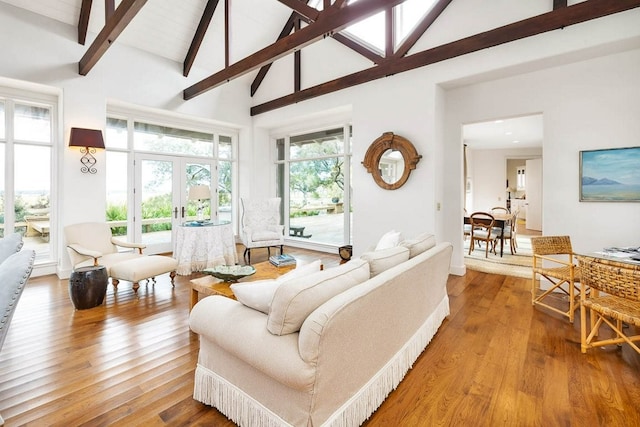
{"points": [[419, 244], [384, 259], [9, 245], [259, 294], [297, 298], [389, 240]]}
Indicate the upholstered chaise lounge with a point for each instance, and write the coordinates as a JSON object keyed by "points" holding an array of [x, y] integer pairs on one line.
{"points": [[91, 243], [333, 344]]}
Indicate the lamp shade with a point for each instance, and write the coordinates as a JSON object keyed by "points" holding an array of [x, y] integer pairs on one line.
{"points": [[199, 192], [88, 138]]}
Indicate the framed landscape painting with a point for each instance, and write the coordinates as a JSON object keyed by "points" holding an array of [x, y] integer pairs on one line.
{"points": [[610, 175]]}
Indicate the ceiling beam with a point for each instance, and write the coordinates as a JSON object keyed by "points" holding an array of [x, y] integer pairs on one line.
{"points": [[109, 8], [554, 20], [302, 8], [358, 47], [198, 37], [557, 4], [350, 43], [422, 26], [227, 31], [286, 30], [83, 21], [122, 16], [329, 21]]}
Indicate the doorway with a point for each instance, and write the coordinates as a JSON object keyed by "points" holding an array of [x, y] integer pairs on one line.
{"points": [[494, 152], [161, 201]]}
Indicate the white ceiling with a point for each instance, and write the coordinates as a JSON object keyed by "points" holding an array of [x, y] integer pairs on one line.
{"points": [[508, 133], [166, 27]]}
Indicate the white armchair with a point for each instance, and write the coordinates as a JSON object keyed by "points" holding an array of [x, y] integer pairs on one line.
{"points": [[92, 243], [261, 226]]}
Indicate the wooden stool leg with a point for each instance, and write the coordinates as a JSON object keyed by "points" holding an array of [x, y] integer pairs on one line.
{"points": [[172, 275], [115, 282]]}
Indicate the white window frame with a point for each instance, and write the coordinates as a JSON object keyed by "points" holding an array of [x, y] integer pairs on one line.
{"points": [[12, 92]]}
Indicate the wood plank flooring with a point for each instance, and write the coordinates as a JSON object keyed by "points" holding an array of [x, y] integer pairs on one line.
{"points": [[495, 361]]}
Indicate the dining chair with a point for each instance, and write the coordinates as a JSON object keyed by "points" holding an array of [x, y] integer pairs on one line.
{"points": [[510, 231], [466, 228], [499, 209], [553, 260], [619, 303], [482, 230]]}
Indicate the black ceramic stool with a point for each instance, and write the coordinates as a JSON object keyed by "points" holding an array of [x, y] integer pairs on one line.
{"points": [[88, 286]]}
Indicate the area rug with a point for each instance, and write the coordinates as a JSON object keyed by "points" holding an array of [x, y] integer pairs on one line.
{"points": [[518, 265]]}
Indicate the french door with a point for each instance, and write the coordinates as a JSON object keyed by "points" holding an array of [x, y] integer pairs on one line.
{"points": [[161, 190]]}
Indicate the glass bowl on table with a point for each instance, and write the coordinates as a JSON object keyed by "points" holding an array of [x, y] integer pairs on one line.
{"points": [[230, 273]]}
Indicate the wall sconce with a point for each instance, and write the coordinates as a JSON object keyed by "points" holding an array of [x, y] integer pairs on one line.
{"points": [[200, 193], [88, 140]]}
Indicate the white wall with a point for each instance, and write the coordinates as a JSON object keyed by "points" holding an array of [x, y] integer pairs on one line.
{"points": [[488, 172], [586, 105]]}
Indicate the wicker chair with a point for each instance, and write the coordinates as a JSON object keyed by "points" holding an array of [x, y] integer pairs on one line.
{"points": [[621, 304], [482, 230], [559, 269]]}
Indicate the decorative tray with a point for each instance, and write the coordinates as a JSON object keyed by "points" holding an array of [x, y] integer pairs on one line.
{"points": [[230, 273]]}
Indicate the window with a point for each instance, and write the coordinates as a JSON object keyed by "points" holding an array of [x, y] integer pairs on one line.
{"points": [[371, 31], [26, 150], [313, 176], [161, 160]]}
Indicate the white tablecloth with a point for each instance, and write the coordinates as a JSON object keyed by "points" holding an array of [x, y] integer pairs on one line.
{"points": [[197, 248]]}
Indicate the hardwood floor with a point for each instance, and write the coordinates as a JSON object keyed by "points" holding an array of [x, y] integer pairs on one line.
{"points": [[494, 361]]}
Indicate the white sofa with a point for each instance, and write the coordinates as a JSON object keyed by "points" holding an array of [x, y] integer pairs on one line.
{"points": [[15, 269], [349, 353]]}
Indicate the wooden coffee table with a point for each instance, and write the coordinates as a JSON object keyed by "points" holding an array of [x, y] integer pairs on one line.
{"points": [[209, 285]]}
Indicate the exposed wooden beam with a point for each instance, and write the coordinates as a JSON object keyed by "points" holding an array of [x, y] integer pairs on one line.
{"points": [[557, 4], [302, 8], [361, 49], [83, 21], [205, 20], [329, 21], [388, 33], [227, 31], [297, 57], [122, 16], [422, 26], [554, 20], [109, 8], [286, 30], [345, 40]]}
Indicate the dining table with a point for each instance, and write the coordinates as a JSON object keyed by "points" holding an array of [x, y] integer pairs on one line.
{"points": [[500, 220]]}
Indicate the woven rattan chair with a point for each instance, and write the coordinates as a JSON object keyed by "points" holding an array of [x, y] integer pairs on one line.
{"points": [[621, 304], [553, 260], [482, 230]]}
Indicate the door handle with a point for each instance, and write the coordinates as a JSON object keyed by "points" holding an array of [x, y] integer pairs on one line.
{"points": [[175, 212], [183, 212]]}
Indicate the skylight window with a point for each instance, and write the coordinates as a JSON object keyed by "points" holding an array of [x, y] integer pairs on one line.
{"points": [[371, 31]]}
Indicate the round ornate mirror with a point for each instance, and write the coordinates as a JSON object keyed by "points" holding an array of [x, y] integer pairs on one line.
{"points": [[390, 159]]}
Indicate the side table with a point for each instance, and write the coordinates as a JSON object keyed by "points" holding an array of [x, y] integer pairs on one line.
{"points": [[203, 246], [88, 286]]}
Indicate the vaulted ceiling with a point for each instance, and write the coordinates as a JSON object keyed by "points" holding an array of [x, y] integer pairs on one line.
{"points": [[232, 38]]}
